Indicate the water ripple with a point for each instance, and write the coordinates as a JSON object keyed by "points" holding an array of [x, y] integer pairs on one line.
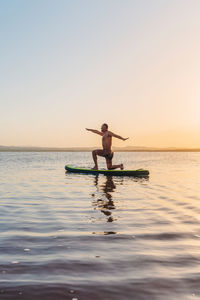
{"points": [[68, 236]]}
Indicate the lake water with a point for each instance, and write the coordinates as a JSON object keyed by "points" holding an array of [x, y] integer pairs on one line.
{"points": [[72, 236]]}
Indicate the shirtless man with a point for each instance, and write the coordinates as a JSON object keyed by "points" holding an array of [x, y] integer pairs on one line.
{"points": [[106, 151]]}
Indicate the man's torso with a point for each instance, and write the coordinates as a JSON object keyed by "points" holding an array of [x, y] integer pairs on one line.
{"points": [[107, 141]]}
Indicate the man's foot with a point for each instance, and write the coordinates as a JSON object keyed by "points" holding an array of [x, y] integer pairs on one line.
{"points": [[121, 167], [95, 168]]}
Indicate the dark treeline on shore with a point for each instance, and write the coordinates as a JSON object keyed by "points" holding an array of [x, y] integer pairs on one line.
{"points": [[88, 149]]}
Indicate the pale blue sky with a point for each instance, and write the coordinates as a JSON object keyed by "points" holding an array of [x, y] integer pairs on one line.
{"points": [[67, 65]]}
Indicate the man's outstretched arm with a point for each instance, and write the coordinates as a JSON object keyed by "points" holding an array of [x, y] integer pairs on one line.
{"points": [[94, 131], [118, 136]]}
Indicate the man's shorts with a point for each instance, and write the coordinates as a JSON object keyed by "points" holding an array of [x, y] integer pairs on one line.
{"points": [[109, 155], [106, 154]]}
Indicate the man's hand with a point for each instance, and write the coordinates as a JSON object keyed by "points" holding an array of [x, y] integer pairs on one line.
{"points": [[125, 139]]}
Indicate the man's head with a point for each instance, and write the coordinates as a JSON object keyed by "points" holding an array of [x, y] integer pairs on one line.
{"points": [[104, 127]]}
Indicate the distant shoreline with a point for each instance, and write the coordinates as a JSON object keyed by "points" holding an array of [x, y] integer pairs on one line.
{"points": [[137, 149]]}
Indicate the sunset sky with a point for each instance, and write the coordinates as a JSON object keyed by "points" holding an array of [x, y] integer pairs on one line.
{"points": [[67, 65]]}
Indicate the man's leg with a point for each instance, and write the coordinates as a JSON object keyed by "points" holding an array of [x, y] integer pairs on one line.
{"points": [[110, 166], [94, 155]]}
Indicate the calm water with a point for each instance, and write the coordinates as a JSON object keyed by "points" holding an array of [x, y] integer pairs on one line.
{"points": [[72, 236]]}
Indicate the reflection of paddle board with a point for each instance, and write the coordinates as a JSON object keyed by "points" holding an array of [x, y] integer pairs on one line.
{"points": [[139, 172]]}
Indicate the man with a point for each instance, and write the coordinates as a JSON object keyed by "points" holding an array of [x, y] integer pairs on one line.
{"points": [[107, 144]]}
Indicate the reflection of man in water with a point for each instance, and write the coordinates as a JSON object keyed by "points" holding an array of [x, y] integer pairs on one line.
{"points": [[106, 206], [107, 144]]}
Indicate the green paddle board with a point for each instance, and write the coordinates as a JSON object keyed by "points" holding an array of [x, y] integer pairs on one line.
{"points": [[139, 172]]}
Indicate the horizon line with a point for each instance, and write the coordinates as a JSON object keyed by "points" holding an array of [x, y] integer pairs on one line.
{"points": [[90, 148]]}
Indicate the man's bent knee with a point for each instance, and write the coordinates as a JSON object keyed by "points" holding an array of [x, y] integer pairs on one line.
{"points": [[94, 152], [109, 165]]}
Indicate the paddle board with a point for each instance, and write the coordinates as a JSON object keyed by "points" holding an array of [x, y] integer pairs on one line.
{"points": [[138, 172]]}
